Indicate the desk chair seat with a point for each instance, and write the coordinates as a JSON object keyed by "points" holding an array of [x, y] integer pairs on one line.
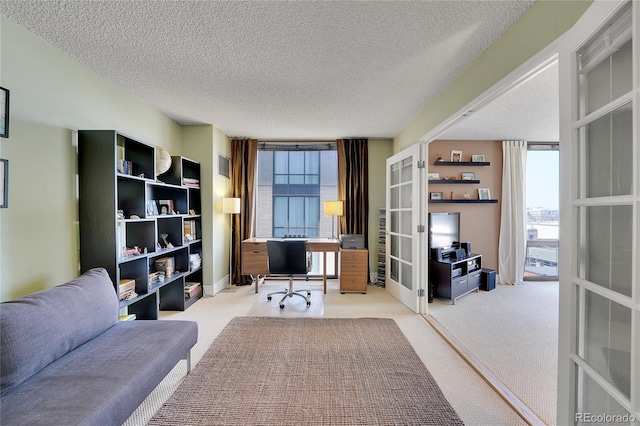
{"points": [[288, 258]]}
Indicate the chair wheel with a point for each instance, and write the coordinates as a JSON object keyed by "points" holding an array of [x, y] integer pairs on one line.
{"points": [[268, 297], [308, 303], [281, 306], [308, 294]]}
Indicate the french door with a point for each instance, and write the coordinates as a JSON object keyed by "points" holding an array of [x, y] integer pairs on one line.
{"points": [[599, 345], [403, 216]]}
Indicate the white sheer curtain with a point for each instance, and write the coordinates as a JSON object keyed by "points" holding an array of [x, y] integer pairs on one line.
{"points": [[513, 219]]}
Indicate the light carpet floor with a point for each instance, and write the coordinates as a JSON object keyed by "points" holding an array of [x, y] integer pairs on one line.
{"points": [[294, 307], [308, 371], [513, 331], [474, 401]]}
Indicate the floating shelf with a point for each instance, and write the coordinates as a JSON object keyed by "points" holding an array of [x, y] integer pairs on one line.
{"points": [[447, 181], [462, 163], [463, 201]]}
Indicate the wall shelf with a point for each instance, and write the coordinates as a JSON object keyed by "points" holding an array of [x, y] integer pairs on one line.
{"points": [[463, 201], [462, 163], [447, 181]]}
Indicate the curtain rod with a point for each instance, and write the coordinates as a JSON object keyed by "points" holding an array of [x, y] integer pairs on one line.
{"points": [[297, 141]]}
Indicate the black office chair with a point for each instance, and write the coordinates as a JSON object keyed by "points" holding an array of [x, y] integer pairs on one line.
{"points": [[288, 258]]}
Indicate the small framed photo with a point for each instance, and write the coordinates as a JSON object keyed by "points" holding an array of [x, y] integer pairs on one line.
{"points": [[456, 156], [477, 158], [4, 112], [433, 176], [152, 208], [435, 195], [484, 194], [192, 212], [468, 176]]}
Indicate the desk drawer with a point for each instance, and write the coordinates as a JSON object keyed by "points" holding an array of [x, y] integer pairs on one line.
{"points": [[254, 259], [354, 270]]}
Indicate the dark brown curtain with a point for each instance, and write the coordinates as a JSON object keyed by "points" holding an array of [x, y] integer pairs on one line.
{"points": [[244, 155], [353, 186]]}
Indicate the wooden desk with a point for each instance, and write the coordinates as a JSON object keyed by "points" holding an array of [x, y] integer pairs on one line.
{"points": [[254, 256]]}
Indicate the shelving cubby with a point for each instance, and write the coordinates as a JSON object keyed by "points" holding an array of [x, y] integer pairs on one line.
{"points": [[121, 233]]}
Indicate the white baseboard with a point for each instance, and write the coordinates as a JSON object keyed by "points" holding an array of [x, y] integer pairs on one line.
{"points": [[217, 287]]}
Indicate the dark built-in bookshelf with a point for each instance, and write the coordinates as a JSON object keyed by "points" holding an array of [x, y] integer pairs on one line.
{"points": [[124, 229]]}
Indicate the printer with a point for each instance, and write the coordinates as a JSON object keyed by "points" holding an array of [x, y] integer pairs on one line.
{"points": [[351, 241]]}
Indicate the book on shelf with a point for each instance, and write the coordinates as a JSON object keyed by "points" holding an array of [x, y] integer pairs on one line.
{"points": [[192, 289], [189, 230], [191, 182], [125, 167]]}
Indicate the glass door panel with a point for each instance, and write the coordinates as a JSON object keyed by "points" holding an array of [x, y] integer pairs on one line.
{"points": [[608, 146], [607, 245], [402, 186]]}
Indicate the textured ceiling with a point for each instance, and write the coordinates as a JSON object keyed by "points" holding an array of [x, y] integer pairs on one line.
{"points": [[530, 111], [276, 70]]}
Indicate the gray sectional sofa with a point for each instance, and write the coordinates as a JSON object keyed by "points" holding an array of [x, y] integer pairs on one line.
{"points": [[66, 359]]}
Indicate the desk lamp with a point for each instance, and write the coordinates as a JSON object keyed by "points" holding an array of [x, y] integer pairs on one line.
{"points": [[333, 209]]}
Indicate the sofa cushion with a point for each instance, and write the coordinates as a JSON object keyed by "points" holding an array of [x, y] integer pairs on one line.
{"points": [[37, 329], [103, 381]]}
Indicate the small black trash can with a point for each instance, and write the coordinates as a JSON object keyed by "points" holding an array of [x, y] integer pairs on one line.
{"points": [[487, 279]]}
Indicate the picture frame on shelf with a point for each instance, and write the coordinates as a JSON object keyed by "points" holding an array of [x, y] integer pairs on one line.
{"points": [[435, 196], [477, 158], [152, 208], [484, 194], [4, 112], [456, 156], [433, 176], [468, 176]]}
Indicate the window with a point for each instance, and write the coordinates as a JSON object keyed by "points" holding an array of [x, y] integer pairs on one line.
{"points": [[296, 193], [293, 182], [543, 214]]}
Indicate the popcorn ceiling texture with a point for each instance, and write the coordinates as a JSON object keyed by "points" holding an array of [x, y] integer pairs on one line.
{"points": [[271, 69]]}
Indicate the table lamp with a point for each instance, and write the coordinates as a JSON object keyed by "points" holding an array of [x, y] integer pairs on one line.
{"points": [[333, 209], [231, 206]]}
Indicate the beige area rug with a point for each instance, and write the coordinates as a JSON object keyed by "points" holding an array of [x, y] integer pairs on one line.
{"points": [[294, 307], [284, 371]]}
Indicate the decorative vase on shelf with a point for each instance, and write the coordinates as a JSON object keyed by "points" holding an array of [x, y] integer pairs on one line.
{"points": [[163, 161]]}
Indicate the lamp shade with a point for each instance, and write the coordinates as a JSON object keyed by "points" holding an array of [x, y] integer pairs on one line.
{"points": [[333, 208], [231, 205]]}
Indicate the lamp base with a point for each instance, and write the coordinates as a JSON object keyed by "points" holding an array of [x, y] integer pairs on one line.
{"points": [[333, 227]]}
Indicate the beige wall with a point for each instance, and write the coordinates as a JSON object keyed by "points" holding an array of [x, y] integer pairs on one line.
{"points": [[53, 96], [479, 223], [544, 22]]}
